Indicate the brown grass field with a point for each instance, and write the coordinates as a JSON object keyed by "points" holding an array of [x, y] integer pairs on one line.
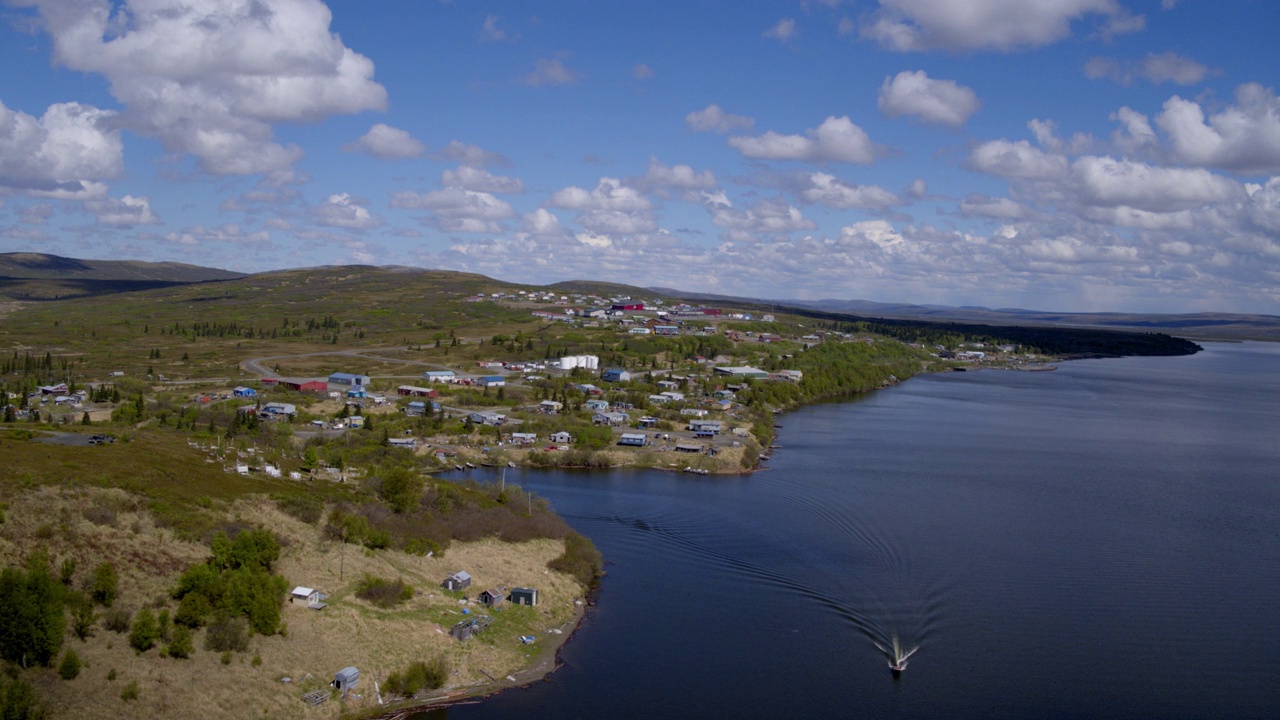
{"points": [[349, 631]]}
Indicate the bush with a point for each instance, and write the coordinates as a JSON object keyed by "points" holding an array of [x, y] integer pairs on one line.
{"points": [[181, 646], [130, 691], [117, 620], [417, 677], [581, 559], [70, 666], [103, 588], [192, 610], [146, 631], [306, 508], [226, 634], [384, 593]]}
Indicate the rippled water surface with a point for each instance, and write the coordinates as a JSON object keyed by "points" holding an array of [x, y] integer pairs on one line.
{"points": [[1102, 541]]}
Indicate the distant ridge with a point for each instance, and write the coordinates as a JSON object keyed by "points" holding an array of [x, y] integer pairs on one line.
{"points": [[33, 266]]}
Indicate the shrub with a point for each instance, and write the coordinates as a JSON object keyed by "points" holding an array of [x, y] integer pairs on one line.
{"points": [[581, 559], [130, 691], [111, 675], [83, 616], [227, 633], [117, 620], [181, 645], [99, 515], [146, 631], [70, 666], [384, 593], [192, 610], [306, 508], [103, 587], [68, 571], [417, 677]]}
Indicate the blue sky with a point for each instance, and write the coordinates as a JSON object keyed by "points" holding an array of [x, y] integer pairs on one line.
{"points": [[1045, 154]]}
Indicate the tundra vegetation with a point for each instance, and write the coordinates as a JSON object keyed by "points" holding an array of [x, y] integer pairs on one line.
{"points": [[152, 522]]}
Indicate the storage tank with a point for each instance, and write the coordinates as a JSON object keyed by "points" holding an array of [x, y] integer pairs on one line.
{"points": [[592, 362]]}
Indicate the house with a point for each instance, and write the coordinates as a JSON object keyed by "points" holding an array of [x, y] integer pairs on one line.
{"points": [[675, 396], [744, 371], [492, 381], [598, 405], [562, 438], [460, 580], [244, 392], [668, 384], [634, 439], [279, 408], [492, 597], [487, 417], [615, 375], [524, 438], [349, 379], [356, 392], [438, 375], [612, 419], [551, 407], [409, 443], [792, 375], [415, 391], [59, 389], [724, 394], [310, 597], [627, 306], [355, 421], [524, 596], [686, 447], [415, 408], [346, 678], [648, 421], [640, 331], [666, 329], [694, 412], [659, 399], [711, 426]]}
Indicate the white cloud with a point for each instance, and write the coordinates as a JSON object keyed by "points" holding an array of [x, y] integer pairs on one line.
{"points": [[935, 101], [1135, 137], [1108, 182], [713, 119], [542, 222], [983, 206], [458, 210], [388, 143], [469, 155], [616, 222], [125, 211], [1018, 159], [837, 139], [481, 180], [62, 150], [550, 71], [679, 177], [344, 211], [1244, 137], [784, 30], [490, 31], [210, 77], [641, 72], [1154, 68], [764, 216], [609, 194], [828, 190], [988, 24], [229, 233]]}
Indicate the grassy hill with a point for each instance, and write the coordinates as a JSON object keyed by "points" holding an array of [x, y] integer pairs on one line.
{"points": [[37, 276]]}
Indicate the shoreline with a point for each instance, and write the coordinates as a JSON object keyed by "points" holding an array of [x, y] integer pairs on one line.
{"points": [[546, 663]]}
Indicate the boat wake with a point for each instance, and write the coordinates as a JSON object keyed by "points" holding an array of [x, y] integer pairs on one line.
{"points": [[897, 654]]}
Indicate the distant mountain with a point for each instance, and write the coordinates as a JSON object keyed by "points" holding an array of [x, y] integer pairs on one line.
{"points": [[1194, 325], [31, 266], [37, 276]]}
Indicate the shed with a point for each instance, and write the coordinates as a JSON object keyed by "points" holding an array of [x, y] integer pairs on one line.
{"points": [[524, 596], [637, 439], [460, 580], [491, 597], [346, 678], [561, 437], [310, 597]]}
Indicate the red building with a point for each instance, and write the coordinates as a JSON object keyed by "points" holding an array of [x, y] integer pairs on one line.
{"points": [[305, 385], [627, 306]]}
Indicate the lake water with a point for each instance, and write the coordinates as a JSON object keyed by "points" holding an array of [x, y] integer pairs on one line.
{"points": [[1102, 541]]}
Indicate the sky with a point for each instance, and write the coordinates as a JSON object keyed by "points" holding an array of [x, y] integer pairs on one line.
{"points": [[1069, 155]]}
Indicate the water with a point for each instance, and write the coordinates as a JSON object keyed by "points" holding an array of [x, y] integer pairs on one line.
{"points": [[1098, 542]]}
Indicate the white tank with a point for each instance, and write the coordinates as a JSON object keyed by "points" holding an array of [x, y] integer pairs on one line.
{"points": [[593, 362]]}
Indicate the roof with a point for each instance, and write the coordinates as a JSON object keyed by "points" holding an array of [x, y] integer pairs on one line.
{"points": [[301, 591], [351, 671], [461, 575]]}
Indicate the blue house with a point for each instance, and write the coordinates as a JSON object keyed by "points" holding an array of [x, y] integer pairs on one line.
{"points": [[493, 381], [244, 392], [615, 375]]}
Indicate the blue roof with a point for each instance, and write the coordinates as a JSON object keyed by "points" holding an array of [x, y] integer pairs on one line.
{"points": [[492, 378]]}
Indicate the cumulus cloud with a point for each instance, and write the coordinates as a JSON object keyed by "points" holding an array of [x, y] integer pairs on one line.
{"points": [[125, 211], [70, 145], [784, 30], [229, 233], [837, 139], [977, 205], [550, 71], [1154, 68], [458, 210], [1244, 137], [1016, 159], [490, 32], [935, 101], [469, 155], [713, 119], [988, 24], [542, 222], [210, 77], [641, 72], [344, 211], [1106, 181], [828, 190], [481, 180], [610, 194], [764, 216], [677, 177], [387, 143]]}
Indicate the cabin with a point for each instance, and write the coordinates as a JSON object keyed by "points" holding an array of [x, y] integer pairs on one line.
{"points": [[438, 375], [408, 442], [524, 438], [713, 427], [346, 678], [491, 597], [487, 417], [550, 407], [612, 419], [244, 392], [562, 438], [310, 597], [634, 439], [524, 596], [460, 580]]}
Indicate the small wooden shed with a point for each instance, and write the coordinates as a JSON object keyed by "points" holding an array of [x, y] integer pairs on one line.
{"points": [[492, 597], [460, 580], [524, 596], [346, 678]]}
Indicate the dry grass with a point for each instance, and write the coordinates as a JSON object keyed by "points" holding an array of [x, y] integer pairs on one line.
{"points": [[348, 632]]}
